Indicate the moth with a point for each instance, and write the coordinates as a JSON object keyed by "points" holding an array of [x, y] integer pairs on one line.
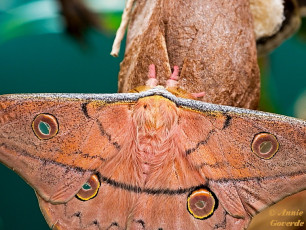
{"points": [[151, 159]]}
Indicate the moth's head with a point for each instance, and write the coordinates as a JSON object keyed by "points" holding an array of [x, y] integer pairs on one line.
{"points": [[171, 84], [275, 21]]}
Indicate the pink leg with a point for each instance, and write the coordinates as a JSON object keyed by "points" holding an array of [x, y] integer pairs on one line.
{"points": [[174, 75], [198, 95], [173, 81], [152, 81]]}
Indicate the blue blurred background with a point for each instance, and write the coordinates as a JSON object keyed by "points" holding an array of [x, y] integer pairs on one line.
{"points": [[37, 56]]}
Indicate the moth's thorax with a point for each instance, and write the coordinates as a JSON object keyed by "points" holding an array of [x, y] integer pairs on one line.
{"points": [[155, 122], [155, 114]]}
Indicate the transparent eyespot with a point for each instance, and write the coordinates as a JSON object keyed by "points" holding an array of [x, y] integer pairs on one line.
{"points": [[201, 203], [45, 126], [265, 145], [90, 189]]}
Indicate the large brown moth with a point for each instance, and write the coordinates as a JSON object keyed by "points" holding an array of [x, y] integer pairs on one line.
{"points": [[150, 160]]}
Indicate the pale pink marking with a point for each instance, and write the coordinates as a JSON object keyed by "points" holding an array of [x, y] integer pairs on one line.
{"points": [[152, 71]]}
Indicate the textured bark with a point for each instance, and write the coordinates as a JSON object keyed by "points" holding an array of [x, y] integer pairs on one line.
{"points": [[211, 41]]}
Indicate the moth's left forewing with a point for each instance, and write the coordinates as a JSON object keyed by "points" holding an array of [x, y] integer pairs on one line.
{"points": [[56, 166], [109, 139], [89, 131]]}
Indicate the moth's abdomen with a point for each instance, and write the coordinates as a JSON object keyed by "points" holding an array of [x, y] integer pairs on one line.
{"points": [[155, 120]]}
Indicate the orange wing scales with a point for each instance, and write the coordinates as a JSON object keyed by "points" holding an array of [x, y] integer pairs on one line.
{"points": [[151, 152]]}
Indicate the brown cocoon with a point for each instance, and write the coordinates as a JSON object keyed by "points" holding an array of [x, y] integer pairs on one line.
{"points": [[211, 41]]}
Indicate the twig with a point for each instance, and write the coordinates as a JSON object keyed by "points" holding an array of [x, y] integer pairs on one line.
{"points": [[121, 30]]}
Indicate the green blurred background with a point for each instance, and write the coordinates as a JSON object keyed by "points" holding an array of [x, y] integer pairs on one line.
{"points": [[37, 56]]}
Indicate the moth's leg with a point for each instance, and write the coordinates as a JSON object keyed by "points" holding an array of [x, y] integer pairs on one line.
{"points": [[198, 95], [173, 82], [152, 81]]}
